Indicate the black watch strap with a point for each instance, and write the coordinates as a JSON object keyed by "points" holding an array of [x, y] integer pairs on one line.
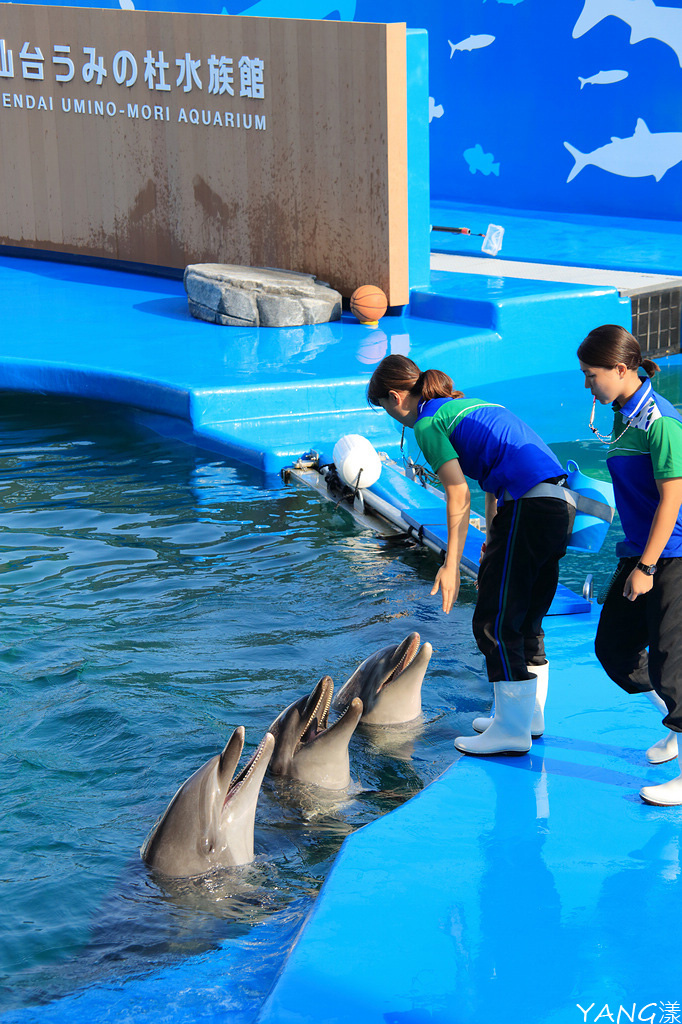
{"points": [[648, 570]]}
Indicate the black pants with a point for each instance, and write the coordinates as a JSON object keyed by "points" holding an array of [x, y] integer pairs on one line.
{"points": [[654, 620], [516, 583]]}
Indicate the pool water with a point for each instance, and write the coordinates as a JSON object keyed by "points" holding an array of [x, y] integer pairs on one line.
{"points": [[154, 597]]}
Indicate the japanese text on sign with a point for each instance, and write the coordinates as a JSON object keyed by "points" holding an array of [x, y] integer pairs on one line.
{"points": [[217, 73]]}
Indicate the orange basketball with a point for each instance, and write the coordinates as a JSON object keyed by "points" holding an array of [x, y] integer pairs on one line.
{"points": [[368, 303]]}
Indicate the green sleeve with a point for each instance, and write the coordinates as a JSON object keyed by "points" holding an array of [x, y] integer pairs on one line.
{"points": [[434, 442], [665, 446]]}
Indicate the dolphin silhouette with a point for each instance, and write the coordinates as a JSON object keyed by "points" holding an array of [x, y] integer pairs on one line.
{"points": [[646, 21], [389, 683], [642, 154], [209, 822], [317, 9], [307, 748]]}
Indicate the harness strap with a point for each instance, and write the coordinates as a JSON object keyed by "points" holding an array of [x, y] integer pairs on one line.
{"points": [[591, 507]]}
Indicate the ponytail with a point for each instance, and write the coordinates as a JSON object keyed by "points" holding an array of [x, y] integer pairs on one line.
{"points": [[650, 367], [398, 373], [610, 345]]}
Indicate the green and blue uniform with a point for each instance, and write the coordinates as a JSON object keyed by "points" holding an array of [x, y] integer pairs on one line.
{"points": [[646, 447], [493, 445], [520, 570], [650, 449]]}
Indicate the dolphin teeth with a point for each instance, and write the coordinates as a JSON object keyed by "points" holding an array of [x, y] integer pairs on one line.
{"points": [[318, 718], [406, 660], [247, 770]]}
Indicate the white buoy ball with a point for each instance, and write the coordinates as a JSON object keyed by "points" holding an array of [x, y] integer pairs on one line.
{"points": [[354, 454]]}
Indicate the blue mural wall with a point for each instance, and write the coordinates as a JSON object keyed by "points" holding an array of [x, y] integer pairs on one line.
{"points": [[553, 105]]}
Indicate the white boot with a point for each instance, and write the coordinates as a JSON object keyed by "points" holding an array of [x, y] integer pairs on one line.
{"points": [[537, 726], [509, 731], [665, 749], [669, 794]]}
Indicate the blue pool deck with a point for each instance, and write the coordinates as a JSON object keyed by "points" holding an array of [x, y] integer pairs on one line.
{"points": [[515, 889]]}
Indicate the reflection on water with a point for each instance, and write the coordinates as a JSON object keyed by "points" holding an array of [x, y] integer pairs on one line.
{"points": [[153, 598]]}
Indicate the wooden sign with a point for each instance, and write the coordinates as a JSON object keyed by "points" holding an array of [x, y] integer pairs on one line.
{"points": [[170, 139]]}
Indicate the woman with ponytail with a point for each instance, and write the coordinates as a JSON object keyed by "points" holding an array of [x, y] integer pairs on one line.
{"points": [[527, 525], [643, 608]]}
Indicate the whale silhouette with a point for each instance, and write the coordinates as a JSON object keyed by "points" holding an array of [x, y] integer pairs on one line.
{"points": [[646, 21], [642, 154]]}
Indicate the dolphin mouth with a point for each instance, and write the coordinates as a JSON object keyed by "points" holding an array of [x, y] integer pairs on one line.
{"points": [[411, 644], [318, 720], [264, 748]]}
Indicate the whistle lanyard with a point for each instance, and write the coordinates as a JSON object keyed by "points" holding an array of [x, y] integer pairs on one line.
{"points": [[605, 440]]}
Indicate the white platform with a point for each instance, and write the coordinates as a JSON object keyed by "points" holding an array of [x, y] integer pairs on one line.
{"points": [[627, 282]]}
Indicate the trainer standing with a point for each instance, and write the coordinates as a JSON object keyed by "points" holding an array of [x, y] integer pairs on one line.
{"points": [[527, 527], [644, 605]]}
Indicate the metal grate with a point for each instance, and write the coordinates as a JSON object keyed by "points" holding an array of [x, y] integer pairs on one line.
{"points": [[656, 321]]}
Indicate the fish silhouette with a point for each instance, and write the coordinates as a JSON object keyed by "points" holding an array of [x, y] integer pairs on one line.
{"points": [[642, 154], [646, 21], [603, 78], [471, 43], [480, 161]]}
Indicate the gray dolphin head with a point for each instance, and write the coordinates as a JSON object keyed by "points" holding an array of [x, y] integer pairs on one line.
{"points": [[209, 822], [389, 683], [307, 748]]}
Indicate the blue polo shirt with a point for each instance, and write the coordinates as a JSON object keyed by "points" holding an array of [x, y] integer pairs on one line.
{"points": [[493, 445], [650, 449]]}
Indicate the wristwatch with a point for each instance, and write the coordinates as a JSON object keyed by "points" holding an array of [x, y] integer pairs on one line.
{"points": [[648, 570]]}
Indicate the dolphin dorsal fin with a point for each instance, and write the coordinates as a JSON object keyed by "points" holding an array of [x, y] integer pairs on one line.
{"points": [[641, 127]]}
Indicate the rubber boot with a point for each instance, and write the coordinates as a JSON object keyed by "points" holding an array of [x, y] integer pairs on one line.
{"points": [[509, 731], [537, 726], [669, 794], [665, 749]]}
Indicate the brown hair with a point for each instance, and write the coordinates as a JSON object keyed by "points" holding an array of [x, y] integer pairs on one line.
{"points": [[611, 344], [398, 373]]}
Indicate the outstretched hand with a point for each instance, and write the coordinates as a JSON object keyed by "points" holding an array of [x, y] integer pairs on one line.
{"points": [[447, 581]]}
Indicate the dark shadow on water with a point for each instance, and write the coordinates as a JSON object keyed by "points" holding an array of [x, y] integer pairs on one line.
{"points": [[171, 308]]}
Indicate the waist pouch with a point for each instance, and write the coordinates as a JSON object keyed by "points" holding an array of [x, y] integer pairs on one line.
{"points": [[593, 501]]}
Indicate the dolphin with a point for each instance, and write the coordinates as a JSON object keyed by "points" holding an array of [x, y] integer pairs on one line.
{"points": [[639, 155], [307, 748], [646, 19], [209, 822], [389, 683]]}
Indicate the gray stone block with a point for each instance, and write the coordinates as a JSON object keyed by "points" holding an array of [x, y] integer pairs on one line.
{"points": [[258, 296]]}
